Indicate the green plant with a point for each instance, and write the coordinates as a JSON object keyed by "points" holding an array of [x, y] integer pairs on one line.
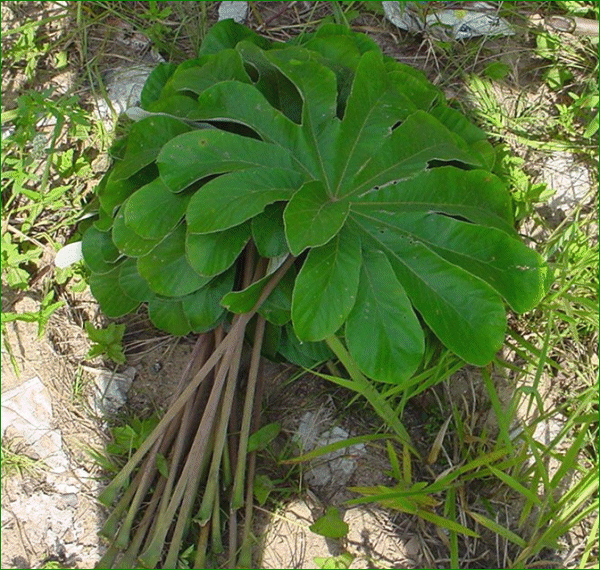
{"points": [[331, 524], [125, 440], [13, 461], [42, 192], [376, 205], [106, 341], [328, 191], [26, 47], [41, 317], [52, 565], [14, 262]]}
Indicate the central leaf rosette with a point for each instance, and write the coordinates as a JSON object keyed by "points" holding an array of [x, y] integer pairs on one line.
{"points": [[330, 152]]}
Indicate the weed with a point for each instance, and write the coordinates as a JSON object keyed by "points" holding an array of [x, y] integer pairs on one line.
{"points": [[126, 438], [52, 565], [47, 308], [106, 341], [15, 461]]}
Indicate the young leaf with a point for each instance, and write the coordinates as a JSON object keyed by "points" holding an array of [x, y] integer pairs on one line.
{"points": [[331, 524], [261, 438], [262, 488], [112, 334], [339, 562], [320, 126], [279, 91]]}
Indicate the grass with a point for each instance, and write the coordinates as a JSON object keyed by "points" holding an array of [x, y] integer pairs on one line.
{"points": [[14, 461], [509, 466]]}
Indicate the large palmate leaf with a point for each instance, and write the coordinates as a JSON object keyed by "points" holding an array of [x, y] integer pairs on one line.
{"points": [[382, 314], [326, 287], [326, 150]]}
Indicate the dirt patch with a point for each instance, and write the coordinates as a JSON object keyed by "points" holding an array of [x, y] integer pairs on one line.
{"points": [[50, 512], [374, 540]]}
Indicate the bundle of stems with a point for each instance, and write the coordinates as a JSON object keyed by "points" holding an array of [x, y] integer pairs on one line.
{"points": [[204, 442]]}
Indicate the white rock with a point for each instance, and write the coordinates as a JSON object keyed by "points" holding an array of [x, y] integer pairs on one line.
{"points": [[333, 468], [124, 89], [111, 389], [479, 20], [570, 180], [69, 254], [233, 10], [547, 430], [27, 411]]}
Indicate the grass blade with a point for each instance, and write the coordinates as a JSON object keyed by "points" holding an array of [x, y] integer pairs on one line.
{"points": [[498, 529]]}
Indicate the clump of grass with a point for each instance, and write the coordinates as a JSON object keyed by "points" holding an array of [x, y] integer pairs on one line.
{"points": [[15, 462]]}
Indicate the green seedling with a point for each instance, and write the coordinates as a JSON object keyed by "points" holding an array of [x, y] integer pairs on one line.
{"points": [[106, 341], [343, 560], [15, 260], [265, 435], [330, 525]]}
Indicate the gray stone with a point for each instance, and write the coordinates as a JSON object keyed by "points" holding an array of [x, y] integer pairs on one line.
{"points": [[110, 390], [124, 89], [334, 468], [570, 180], [235, 10]]}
